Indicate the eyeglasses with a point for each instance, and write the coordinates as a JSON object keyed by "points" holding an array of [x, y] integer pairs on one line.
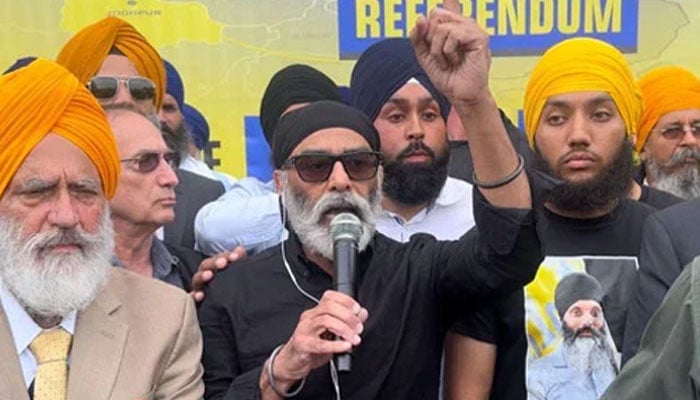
{"points": [[105, 87], [148, 162], [677, 131], [314, 168]]}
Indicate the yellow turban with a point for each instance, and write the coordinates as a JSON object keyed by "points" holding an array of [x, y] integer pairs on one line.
{"points": [[86, 51], [44, 98], [582, 64], [664, 90]]}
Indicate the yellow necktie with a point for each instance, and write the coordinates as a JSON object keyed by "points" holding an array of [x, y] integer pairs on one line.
{"points": [[51, 351]]}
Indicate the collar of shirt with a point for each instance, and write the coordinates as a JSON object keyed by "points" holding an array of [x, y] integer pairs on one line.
{"points": [[164, 263], [22, 326], [451, 193]]}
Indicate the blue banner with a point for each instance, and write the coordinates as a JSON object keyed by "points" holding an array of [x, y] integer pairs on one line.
{"points": [[516, 27]]}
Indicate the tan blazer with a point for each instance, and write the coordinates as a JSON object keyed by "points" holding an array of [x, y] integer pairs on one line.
{"points": [[139, 339]]}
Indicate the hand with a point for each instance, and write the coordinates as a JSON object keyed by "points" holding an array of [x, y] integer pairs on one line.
{"points": [[209, 266], [454, 52], [313, 342]]}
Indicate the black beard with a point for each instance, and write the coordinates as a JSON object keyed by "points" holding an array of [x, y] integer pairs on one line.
{"points": [[570, 335], [609, 185], [415, 183]]}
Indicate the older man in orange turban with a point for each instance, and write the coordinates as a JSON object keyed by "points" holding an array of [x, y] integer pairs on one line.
{"points": [[119, 66], [669, 130], [60, 297], [113, 48]]}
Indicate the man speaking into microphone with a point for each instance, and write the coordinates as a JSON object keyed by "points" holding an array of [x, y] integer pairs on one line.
{"points": [[272, 323]]}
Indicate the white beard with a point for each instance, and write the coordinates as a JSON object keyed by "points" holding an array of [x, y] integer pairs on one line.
{"points": [[588, 354], [684, 182], [307, 219], [53, 285]]}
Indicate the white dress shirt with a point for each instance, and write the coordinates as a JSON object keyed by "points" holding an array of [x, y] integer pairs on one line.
{"points": [[448, 218], [24, 330]]}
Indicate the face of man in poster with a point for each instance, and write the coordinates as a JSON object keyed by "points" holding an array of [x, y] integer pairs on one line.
{"points": [[586, 345]]}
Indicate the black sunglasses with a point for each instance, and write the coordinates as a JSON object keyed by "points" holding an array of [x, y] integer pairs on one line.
{"points": [[148, 162], [105, 87], [313, 168]]}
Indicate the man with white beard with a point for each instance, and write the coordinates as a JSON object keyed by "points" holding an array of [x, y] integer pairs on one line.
{"points": [[585, 363], [327, 162], [71, 326], [668, 137]]}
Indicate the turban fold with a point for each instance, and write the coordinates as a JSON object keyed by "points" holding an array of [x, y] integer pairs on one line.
{"points": [[199, 128], [44, 98], [575, 287], [174, 85], [86, 51], [664, 90], [291, 85], [382, 69], [299, 124], [582, 64]]}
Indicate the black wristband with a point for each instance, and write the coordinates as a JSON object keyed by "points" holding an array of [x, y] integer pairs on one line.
{"points": [[503, 181]]}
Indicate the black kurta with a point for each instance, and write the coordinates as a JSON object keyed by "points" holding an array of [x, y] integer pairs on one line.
{"points": [[413, 293]]}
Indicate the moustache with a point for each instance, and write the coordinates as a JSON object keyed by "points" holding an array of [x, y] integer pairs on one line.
{"points": [[42, 243], [416, 146], [683, 155], [337, 203], [588, 330]]}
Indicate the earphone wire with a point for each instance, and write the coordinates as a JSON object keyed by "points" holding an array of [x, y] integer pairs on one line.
{"points": [[333, 370]]}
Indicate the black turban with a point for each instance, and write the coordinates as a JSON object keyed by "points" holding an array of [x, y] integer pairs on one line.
{"points": [[383, 69], [299, 124], [293, 85], [574, 287]]}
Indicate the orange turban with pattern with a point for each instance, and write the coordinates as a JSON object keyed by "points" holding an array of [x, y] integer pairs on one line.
{"points": [[86, 51], [664, 90], [44, 98], [577, 65]]}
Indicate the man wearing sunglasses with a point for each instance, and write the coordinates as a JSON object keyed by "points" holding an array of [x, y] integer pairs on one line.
{"points": [[118, 65], [269, 321], [145, 201]]}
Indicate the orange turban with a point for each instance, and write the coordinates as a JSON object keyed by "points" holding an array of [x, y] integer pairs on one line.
{"points": [[664, 90], [44, 98], [582, 64], [86, 51]]}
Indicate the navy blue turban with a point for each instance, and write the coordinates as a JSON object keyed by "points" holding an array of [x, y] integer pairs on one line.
{"points": [[174, 85], [21, 62], [293, 85], [199, 128], [299, 124], [384, 68]]}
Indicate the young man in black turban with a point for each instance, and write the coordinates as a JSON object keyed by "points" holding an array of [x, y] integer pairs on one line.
{"points": [[268, 321]]}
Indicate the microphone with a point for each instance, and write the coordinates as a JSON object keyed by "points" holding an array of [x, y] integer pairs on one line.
{"points": [[346, 230]]}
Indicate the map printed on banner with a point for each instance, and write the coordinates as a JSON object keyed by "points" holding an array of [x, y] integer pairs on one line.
{"points": [[226, 51]]}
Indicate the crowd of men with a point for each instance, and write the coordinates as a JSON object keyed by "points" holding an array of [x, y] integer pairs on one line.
{"points": [[552, 262]]}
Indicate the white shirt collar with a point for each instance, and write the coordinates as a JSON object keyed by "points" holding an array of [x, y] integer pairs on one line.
{"points": [[452, 192], [22, 326]]}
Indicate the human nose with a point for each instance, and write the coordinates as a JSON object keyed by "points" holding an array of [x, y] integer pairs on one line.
{"points": [[578, 134], [339, 180], [63, 213]]}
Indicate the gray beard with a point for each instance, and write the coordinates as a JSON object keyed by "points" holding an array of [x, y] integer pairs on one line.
{"points": [[684, 182], [53, 285], [588, 354], [306, 218]]}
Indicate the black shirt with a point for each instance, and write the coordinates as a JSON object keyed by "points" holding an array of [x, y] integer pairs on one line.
{"points": [[615, 234], [658, 199], [413, 292]]}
